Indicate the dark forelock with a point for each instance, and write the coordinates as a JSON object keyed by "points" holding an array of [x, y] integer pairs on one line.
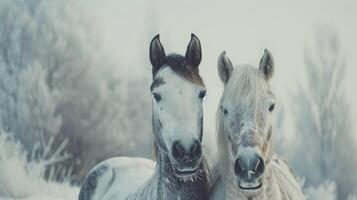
{"points": [[180, 65]]}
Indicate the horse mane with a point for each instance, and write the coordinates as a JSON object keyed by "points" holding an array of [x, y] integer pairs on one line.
{"points": [[286, 178], [245, 81], [154, 151], [207, 171]]}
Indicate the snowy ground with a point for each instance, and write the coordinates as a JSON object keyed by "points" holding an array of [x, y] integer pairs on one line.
{"points": [[21, 178]]}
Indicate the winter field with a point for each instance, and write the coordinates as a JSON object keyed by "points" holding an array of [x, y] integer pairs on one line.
{"points": [[75, 79]]}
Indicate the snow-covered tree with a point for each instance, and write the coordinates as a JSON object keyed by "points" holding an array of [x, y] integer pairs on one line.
{"points": [[55, 80], [28, 105], [325, 142]]}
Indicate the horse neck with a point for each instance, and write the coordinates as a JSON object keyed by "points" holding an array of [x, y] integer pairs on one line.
{"points": [[168, 185], [172, 187], [165, 185]]}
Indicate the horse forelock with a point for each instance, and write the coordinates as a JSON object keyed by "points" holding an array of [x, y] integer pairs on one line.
{"points": [[246, 81], [181, 66]]}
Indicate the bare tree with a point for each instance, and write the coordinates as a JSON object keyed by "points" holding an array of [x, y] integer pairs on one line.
{"points": [[326, 144]]}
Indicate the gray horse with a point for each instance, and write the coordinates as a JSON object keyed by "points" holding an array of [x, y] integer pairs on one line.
{"points": [[180, 171], [248, 167]]}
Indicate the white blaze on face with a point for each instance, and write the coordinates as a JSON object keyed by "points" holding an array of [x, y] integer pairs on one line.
{"points": [[179, 109]]}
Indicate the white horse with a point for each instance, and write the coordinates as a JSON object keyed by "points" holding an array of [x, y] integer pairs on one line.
{"points": [[248, 167], [180, 171]]}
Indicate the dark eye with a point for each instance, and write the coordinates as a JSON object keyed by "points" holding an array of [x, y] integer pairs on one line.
{"points": [[272, 107], [202, 94], [157, 97], [224, 110]]}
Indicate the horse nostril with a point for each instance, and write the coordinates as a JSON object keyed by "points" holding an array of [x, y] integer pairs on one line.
{"points": [[238, 169], [260, 167], [196, 149], [177, 150]]}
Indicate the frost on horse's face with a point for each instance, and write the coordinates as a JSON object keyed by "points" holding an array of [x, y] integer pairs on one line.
{"points": [[178, 92], [244, 116]]}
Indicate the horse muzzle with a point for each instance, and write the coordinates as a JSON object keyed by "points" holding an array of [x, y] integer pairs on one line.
{"points": [[249, 168], [186, 161]]}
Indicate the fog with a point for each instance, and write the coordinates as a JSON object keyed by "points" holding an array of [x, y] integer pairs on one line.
{"points": [[77, 73], [241, 28]]}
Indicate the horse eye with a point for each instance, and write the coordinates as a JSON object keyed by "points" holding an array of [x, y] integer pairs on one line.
{"points": [[272, 107], [202, 94], [224, 110], [157, 97]]}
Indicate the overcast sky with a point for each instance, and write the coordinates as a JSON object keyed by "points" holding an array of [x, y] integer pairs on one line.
{"points": [[242, 28]]}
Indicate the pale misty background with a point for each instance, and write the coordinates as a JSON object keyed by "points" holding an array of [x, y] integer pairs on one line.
{"points": [[75, 76]]}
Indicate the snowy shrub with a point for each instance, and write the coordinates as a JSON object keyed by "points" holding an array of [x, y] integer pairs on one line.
{"points": [[324, 191], [352, 197], [21, 177], [324, 138]]}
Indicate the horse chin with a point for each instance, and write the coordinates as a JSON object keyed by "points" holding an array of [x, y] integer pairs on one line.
{"points": [[251, 192], [250, 183], [251, 187], [187, 174]]}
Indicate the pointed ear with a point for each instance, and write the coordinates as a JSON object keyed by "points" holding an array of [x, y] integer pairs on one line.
{"points": [[193, 52], [266, 65], [157, 54], [225, 67]]}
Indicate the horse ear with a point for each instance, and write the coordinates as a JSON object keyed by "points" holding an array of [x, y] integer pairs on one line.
{"points": [[193, 52], [266, 65], [157, 54], [225, 67]]}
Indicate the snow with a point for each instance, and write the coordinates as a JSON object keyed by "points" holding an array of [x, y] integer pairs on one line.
{"points": [[25, 179]]}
